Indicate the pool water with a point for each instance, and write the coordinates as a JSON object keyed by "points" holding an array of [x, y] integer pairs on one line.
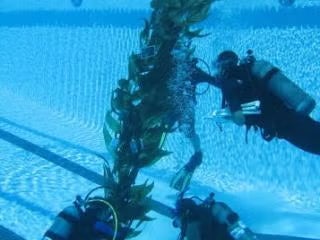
{"points": [[56, 80]]}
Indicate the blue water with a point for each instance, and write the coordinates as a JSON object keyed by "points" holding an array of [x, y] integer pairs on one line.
{"points": [[58, 66], [244, 18]]}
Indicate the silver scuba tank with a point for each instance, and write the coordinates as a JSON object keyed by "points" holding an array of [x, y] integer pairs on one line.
{"points": [[282, 87], [63, 225]]}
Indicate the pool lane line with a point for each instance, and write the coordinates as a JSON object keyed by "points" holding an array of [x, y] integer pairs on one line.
{"points": [[52, 157], [49, 137]]}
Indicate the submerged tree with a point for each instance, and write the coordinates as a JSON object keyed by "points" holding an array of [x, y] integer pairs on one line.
{"points": [[141, 105]]}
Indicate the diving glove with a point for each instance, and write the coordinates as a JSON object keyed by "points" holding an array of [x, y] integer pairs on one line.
{"points": [[183, 177]]}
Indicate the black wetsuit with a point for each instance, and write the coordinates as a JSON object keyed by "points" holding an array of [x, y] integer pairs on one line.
{"points": [[275, 120], [199, 76]]}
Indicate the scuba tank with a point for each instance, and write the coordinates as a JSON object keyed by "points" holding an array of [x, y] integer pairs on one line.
{"points": [[225, 215], [282, 87], [65, 222], [87, 219]]}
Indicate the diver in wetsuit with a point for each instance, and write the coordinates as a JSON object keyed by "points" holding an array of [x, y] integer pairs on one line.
{"points": [[285, 107], [209, 220]]}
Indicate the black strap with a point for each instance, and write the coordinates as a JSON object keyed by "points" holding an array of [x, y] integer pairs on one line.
{"points": [[269, 75], [223, 101], [68, 217]]}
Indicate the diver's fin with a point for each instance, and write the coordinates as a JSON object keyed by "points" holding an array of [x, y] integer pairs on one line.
{"points": [[181, 180], [183, 177]]}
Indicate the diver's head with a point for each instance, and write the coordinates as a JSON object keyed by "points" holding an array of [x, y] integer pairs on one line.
{"points": [[226, 62], [186, 210], [227, 59]]}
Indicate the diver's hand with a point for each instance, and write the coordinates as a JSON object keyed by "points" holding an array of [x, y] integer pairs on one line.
{"points": [[238, 118]]}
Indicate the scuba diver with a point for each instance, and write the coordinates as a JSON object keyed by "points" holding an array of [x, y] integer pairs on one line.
{"points": [[92, 218], [208, 220], [284, 106]]}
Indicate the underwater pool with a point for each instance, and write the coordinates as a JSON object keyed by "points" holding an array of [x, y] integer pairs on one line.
{"points": [[57, 73]]}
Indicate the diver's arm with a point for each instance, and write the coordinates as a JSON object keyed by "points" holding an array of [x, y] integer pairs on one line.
{"points": [[200, 76], [230, 92]]}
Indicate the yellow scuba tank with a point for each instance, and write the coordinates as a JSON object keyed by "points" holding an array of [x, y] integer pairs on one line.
{"points": [[282, 87]]}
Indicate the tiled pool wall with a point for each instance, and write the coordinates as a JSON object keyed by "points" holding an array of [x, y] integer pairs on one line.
{"points": [[73, 69], [70, 70]]}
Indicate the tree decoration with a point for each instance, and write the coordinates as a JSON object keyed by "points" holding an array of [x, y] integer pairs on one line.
{"points": [[141, 106]]}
